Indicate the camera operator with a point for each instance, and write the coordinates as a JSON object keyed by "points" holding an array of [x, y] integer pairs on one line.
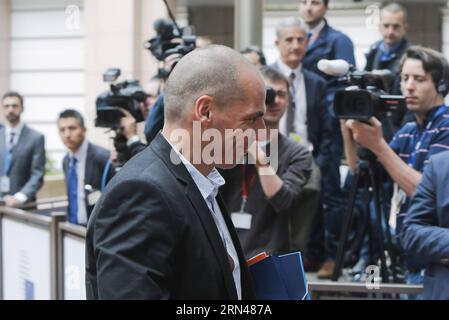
{"points": [[127, 142], [169, 45], [152, 90], [424, 83], [155, 120]]}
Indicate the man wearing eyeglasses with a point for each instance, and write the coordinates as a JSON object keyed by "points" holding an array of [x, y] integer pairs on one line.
{"points": [[264, 198]]}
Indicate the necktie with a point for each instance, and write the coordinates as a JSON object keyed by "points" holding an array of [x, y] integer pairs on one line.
{"points": [[230, 260], [11, 141], [292, 106], [73, 191]]}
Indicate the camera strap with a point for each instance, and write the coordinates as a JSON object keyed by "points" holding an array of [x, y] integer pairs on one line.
{"points": [[243, 219], [418, 144]]}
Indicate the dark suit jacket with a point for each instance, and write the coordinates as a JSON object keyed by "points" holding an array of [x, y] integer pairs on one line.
{"points": [[27, 167], [152, 236], [331, 44], [319, 121], [96, 160], [425, 232]]}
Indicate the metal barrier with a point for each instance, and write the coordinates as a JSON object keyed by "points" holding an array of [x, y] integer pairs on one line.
{"points": [[33, 242], [71, 261], [317, 288], [44, 254], [24, 276]]}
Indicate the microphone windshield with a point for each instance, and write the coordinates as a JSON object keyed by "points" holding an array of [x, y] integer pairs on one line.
{"points": [[333, 67]]}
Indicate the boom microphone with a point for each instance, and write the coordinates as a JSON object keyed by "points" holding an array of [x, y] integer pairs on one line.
{"points": [[333, 67]]}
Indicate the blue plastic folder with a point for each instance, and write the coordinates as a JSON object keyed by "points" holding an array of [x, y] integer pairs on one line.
{"points": [[279, 277]]}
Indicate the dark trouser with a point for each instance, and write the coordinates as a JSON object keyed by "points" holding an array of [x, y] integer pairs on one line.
{"points": [[326, 227]]}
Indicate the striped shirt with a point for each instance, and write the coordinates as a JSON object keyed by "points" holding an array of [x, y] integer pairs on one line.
{"points": [[432, 137]]}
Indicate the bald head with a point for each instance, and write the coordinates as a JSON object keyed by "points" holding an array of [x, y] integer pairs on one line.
{"points": [[217, 71]]}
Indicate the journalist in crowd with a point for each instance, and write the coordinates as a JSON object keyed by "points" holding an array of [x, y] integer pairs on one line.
{"points": [[263, 198], [425, 233], [161, 230], [326, 42], [424, 83], [386, 54], [255, 55], [22, 157]]}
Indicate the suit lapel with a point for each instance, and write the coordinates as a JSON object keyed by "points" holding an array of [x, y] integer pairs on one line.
{"points": [[163, 149], [88, 168], [309, 89], [210, 227], [17, 150], [320, 40]]}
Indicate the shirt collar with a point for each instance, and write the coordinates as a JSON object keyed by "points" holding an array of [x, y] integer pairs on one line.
{"points": [[81, 152], [315, 31], [209, 185], [430, 116], [286, 70], [391, 49], [17, 129]]}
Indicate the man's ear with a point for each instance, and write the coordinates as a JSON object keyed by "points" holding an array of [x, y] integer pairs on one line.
{"points": [[203, 108]]}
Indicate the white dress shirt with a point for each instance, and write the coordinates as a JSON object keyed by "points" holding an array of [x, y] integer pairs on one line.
{"points": [[208, 187], [300, 119], [81, 156], [17, 130]]}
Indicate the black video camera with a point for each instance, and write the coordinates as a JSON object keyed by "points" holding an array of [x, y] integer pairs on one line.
{"points": [[126, 95], [366, 96], [270, 95], [169, 40]]}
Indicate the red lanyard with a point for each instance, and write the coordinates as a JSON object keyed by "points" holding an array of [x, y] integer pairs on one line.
{"points": [[245, 185]]}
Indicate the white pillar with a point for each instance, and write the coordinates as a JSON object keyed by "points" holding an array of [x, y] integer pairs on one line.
{"points": [[115, 33], [4, 45], [248, 23]]}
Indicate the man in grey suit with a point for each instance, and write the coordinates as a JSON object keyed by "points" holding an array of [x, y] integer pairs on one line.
{"points": [[22, 157]]}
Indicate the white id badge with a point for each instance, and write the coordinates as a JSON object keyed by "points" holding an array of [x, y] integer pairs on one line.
{"points": [[93, 197], [397, 201], [5, 184], [242, 220]]}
